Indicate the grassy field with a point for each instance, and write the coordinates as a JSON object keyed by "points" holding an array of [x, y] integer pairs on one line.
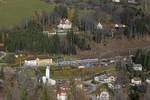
{"points": [[14, 11], [69, 73]]}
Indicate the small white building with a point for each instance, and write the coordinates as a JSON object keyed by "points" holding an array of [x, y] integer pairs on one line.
{"points": [[30, 62], [114, 86], [136, 81], [147, 80], [111, 86], [110, 79], [112, 61], [116, 1], [64, 24], [137, 67], [99, 26], [120, 26], [104, 95], [81, 67]]}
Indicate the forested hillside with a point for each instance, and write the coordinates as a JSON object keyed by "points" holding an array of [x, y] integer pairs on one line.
{"points": [[133, 22]]}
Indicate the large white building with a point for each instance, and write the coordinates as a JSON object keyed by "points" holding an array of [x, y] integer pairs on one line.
{"points": [[64, 24]]}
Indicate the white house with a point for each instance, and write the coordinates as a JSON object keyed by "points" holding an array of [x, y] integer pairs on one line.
{"points": [[110, 79], [101, 78], [111, 86], [112, 61], [64, 24], [136, 81], [137, 67], [115, 0], [148, 80], [105, 79], [49, 33], [46, 79], [114, 86], [132, 1], [99, 26], [30, 62], [104, 95], [120, 26], [81, 67]]}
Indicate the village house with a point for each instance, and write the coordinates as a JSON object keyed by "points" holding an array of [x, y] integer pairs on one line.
{"points": [[30, 62], [110, 79], [62, 95], [114, 86], [116, 1], [62, 91], [43, 61], [137, 67], [78, 83], [81, 67], [120, 26], [136, 81], [49, 33], [99, 26], [101, 78], [129, 1], [64, 24], [104, 95], [132, 1], [1, 83], [39, 61], [148, 80], [2, 47], [104, 78]]}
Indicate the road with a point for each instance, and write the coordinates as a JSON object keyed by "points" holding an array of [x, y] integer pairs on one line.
{"points": [[3, 55], [119, 52], [91, 87], [114, 48]]}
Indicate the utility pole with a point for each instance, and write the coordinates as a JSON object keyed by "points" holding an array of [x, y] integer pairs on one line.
{"points": [[145, 4]]}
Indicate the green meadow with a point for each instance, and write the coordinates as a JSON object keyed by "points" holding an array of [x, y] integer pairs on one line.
{"points": [[14, 11]]}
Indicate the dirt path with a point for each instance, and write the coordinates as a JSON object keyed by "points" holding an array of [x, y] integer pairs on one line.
{"points": [[115, 48]]}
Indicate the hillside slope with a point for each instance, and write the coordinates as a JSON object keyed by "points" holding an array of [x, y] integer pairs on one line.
{"points": [[14, 11]]}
